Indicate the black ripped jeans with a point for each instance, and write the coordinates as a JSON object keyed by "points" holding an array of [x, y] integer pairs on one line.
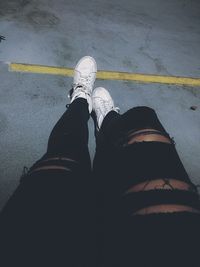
{"points": [[64, 214]]}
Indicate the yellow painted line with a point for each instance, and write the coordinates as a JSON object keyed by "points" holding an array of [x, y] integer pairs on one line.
{"points": [[146, 78], [41, 69], [107, 75]]}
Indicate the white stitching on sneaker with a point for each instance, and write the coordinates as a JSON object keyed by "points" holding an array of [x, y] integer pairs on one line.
{"points": [[106, 106]]}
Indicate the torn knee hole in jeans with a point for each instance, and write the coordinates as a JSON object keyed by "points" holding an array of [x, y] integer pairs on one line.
{"points": [[51, 163], [159, 200], [146, 135], [27, 172], [50, 167], [162, 184], [59, 159], [172, 208]]}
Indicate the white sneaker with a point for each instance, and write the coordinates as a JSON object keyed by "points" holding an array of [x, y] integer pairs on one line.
{"points": [[102, 103], [84, 78]]}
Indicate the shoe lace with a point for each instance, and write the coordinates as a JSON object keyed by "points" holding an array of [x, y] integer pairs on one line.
{"points": [[84, 80]]}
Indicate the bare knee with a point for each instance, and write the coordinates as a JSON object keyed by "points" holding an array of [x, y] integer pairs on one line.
{"points": [[148, 135], [162, 184]]}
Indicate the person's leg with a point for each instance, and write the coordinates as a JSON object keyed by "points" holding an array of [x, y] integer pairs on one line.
{"points": [[68, 141], [49, 215], [137, 139], [138, 172], [138, 130]]}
